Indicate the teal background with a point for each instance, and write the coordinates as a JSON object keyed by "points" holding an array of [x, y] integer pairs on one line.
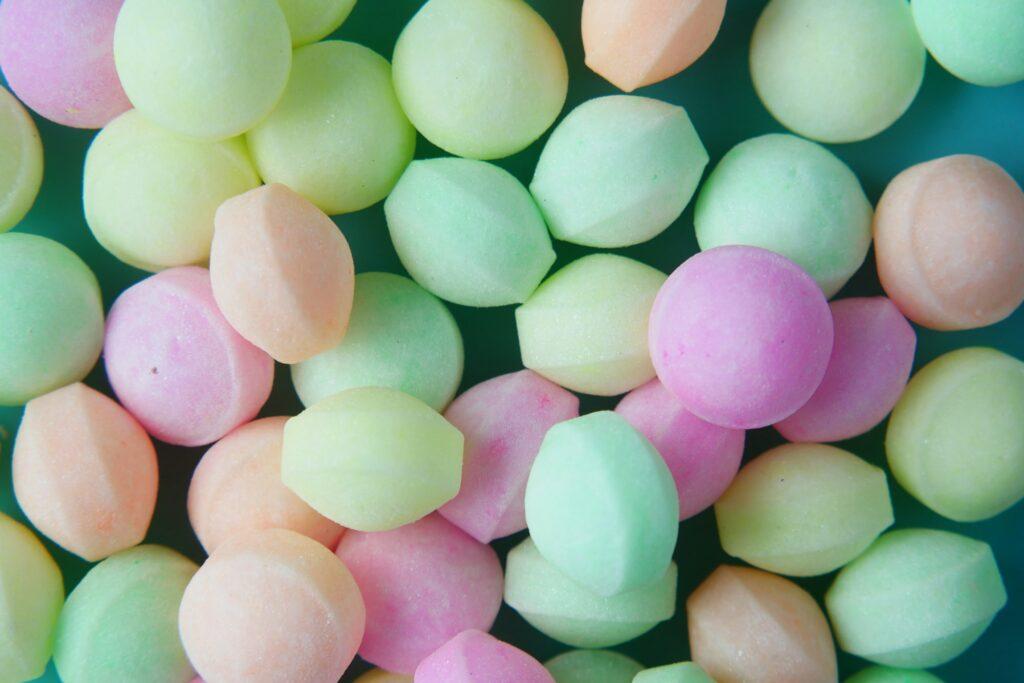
{"points": [[947, 117]]}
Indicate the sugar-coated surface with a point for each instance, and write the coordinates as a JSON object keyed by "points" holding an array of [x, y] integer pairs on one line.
{"points": [[683, 672], [423, 584], [587, 666], [21, 161], [477, 657], [885, 674], [382, 676], [311, 20]]}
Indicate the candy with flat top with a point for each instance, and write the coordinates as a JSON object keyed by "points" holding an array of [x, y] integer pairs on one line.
{"points": [[587, 666], [885, 674], [916, 598], [21, 161], [382, 676], [477, 657], [618, 170], [683, 672], [311, 20]]}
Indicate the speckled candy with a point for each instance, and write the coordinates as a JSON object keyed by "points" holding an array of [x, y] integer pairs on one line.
{"points": [[683, 672], [311, 20], [21, 161], [477, 657], [587, 666], [885, 674]]}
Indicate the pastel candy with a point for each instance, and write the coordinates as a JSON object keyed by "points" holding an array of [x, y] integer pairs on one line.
{"points": [[134, 168], [885, 674], [683, 672], [587, 666], [837, 71], [424, 583], [272, 606], [477, 657], [872, 355], [618, 170], [749, 626], [21, 160], [282, 273], [916, 598], [399, 336], [338, 137], [372, 458], [741, 335], [480, 78], [803, 509], [503, 421], [53, 317], [192, 393], [120, 622], [585, 328], [381, 676], [84, 472], [311, 20], [949, 241], [955, 440], [469, 232]]}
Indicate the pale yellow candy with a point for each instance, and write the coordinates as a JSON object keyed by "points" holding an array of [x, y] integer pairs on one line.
{"points": [[21, 161], [311, 20]]}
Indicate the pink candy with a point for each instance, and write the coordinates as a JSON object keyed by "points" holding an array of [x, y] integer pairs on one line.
{"points": [[476, 657]]}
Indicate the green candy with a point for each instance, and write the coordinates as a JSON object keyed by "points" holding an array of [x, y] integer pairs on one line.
{"points": [[591, 666], [885, 674], [618, 170], [311, 20], [916, 598], [469, 232], [21, 161], [683, 672]]}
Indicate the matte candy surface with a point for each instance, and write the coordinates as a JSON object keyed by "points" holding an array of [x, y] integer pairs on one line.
{"points": [[311, 20], [586, 666], [885, 674], [683, 672], [477, 657], [21, 161]]}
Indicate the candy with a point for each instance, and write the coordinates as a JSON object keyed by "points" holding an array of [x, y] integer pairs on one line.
{"points": [[703, 458], [58, 58], [741, 336], [683, 672], [21, 160], [915, 598], [565, 610], [587, 666], [837, 71], [399, 336], [282, 273], [752, 626], [150, 195], [504, 421], [885, 674], [634, 43], [618, 171], [585, 328], [381, 676], [601, 504], [52, 331], [790, 196], [480, 78], [272, 606], [338, 137], [423, 583], [85, 472], [236, 488], [372, 458], [956, 439], [120, 622], [872, 354], [311, 20], [803, 509], [205, 70], [476, 657], [177, 365], [949, 241], [469, 232]]}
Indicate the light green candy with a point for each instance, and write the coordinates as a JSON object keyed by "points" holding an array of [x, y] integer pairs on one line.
{"points": [[790, 196], [585, 327], [803, 509], [372, 459], [683, 672], [469, 232], [601, 504], [150, 195], [209, 70], [31, 595], [52, 330], [480, 78], [399, 336], [21, 161], [956, 438], [591, 666], [916, 598], [311, 20], [837, 71], [885, 674], [338, 137]]}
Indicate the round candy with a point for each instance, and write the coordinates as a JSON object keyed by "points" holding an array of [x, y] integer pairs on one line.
{"points": [[311, 20], [956, 438], [381, 676], [339, 137], [21, 160], [58, 57], [469, 232], [803, 509], [585, 328], [618, 171], [480, 78], [477, 657], [949, 241], [587, 666], [205, 70], [52, 331], [683, 672], [423, 583], [150, 195], [399, 336], [741, 336], [837, 71], [872, 354], [885, 674], [916, 598], [177, 365]]}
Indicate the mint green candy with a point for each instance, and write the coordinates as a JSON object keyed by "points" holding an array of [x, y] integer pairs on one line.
{"points": [[591, 666], [311, 20], [886, 674], [683, 672], [21, 161], [469, 232], [618, 170]]}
